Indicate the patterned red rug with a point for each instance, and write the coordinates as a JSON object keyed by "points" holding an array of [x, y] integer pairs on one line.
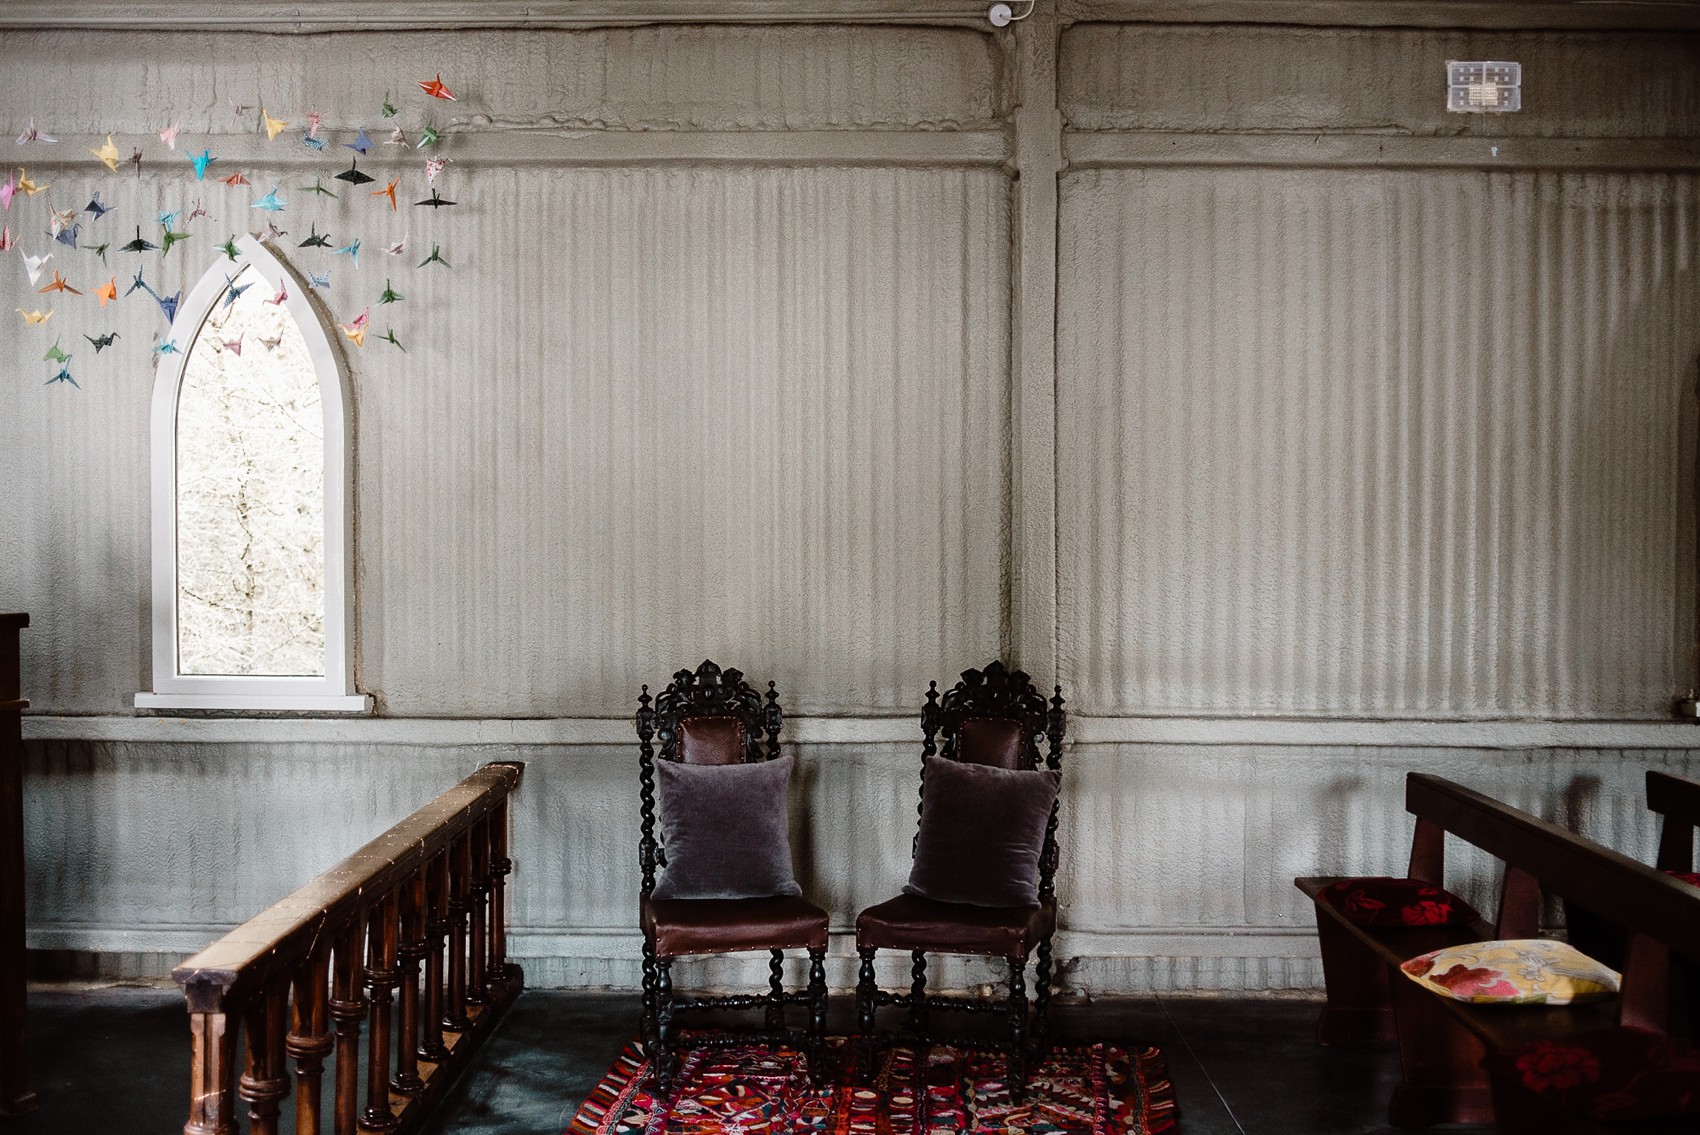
{"points": [[1097, 1089]]}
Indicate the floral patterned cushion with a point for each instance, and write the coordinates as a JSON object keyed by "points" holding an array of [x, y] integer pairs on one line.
{"points": [[1519, 971], [1692, 878], [1380, 901], [1619, 1075]]}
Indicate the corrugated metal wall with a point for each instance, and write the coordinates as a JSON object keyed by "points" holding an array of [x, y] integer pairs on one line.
{"points": [[1354, 417]]}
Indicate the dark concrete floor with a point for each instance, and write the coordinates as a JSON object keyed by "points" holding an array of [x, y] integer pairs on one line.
{"points": [[118, 1058]]}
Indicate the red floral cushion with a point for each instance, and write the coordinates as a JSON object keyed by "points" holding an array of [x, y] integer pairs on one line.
{"points": [[1618, 1075], [1381, 901], [1692, 878]]}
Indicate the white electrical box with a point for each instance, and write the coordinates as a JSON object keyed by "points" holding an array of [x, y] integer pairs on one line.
{"points": [[1484, 87]]}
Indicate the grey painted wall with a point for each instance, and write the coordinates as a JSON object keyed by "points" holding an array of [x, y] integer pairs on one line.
{"points": [[1351, 418]]}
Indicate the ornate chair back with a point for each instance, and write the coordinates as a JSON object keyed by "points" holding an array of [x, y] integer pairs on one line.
{"points": [[705, 716]]}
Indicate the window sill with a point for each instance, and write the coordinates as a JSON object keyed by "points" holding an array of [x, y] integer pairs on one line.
{"points": [[276, 703]]}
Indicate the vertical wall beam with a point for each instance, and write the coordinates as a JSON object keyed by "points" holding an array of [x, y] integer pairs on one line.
{"points": [[15, 1094], [1037, 126]]}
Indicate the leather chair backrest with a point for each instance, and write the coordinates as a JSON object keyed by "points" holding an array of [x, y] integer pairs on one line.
{"points": [[718, 740], [994, 741]]}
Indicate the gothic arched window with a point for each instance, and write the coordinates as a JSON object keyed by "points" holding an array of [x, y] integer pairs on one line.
{"points": [[252, 578]]}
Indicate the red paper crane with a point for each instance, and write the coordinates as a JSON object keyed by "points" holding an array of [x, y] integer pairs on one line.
{"points": [[435, 88]]}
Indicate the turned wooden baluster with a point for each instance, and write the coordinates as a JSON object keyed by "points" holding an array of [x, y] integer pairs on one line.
{"points": [[381, 978], [409, 953], [500, 868], [479, 946], [431, 1045], [212, 1066], [310, 1039], [460, 887], [266, 1080], [348, 1009]]}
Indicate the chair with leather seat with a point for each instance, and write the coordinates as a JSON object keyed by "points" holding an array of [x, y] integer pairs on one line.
{"points": [[993, 717], [707, 718]]}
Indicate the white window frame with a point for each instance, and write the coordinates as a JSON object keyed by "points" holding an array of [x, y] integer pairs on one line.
{"points": [[334, 692]]}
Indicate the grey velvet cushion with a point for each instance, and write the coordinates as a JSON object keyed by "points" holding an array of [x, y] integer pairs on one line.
{"points": [[725, 830], [982, 832]]}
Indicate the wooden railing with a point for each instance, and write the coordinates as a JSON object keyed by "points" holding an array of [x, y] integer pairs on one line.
{"points": [[302, 978], [15, 1094]]}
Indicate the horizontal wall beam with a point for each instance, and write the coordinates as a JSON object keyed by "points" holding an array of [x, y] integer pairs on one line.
{"points": [[502, 145], [1576, 14], [306, 16], [1295, 732], [1150, 149]]}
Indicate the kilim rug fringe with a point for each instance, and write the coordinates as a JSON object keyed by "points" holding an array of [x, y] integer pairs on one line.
{"points": [[1095, 1089]]}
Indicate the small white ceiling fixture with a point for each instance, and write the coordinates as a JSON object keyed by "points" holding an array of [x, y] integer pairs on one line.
{"points": [[1485, 87], [1002, 15]]}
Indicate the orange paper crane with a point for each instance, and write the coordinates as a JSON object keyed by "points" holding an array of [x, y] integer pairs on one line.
{"points": [[58, 285], [107, 291], [435, 88], [388, 191]]}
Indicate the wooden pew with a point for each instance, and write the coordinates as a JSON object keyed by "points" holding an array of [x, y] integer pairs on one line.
{"points": [[1442, 1042]]}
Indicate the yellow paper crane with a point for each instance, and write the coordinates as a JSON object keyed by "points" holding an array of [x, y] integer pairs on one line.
{"points": [[108, 155], [28, 187], [31, 318], [274, 126]]}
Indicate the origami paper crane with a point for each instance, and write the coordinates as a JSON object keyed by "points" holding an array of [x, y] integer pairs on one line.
{"points": [[314, 118], [397, 248], [32, 265], [274, 126], [232, 292], [68, 235], [168, 305], [8, 190], [388, 191], [272, 232], [237, 110], [94, 206], [270, 202], [436, 201], [353, 176], [282, 294], [436, 257], [164, 347], [64, 375], [169, 135], [352, 251], [135, 159], [236, 179], [271, 344], [435, 88], [229, 248], [170, 238], [107, 291], [167, 219], [55, 355], [58, 285], [6, 239], [398, 137], [313, 142], [428, 137], [31, 134], [389, 337], [138, 282], [318, 186], [27, 187], [138, 245], [317, 239], [319, 281], [356, 331], [99, 250], [390, 295], [108, 155], [31, 318], [201, 163], [388, 110], [362, 142], [434, 166], [59, 219], [195, 210], [234, 346], [103, 342]]}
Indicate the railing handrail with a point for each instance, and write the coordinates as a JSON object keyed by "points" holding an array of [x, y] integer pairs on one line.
{"points": [[286, 933]]}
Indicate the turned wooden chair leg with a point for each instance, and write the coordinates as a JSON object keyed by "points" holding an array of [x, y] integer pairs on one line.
{"points": [[776, 998], [1042, 1003], [865, 989], [1018, 1028], [817, 1016], [918, 996], [663, 1057], [646, 1023]]}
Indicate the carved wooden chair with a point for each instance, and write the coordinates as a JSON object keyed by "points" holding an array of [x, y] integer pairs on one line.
{"points": [[992, 717], [710, 717]]}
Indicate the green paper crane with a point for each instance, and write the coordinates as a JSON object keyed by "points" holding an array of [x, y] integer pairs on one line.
{"points": [[170, 238], [229, 247], [389, 337], [390, 295], [436, 257]]}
